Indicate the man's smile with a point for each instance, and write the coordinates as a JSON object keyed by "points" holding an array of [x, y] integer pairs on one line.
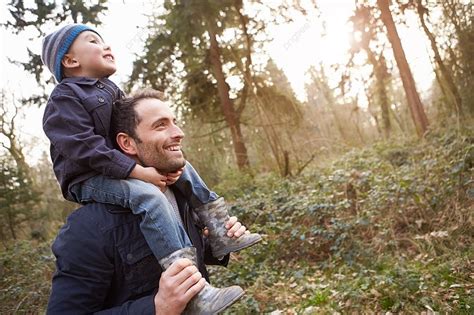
{"points": [[173, 148]]}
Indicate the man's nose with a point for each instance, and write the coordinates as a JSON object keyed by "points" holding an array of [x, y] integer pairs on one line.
{"points": [[107, 47], [177, 132]]}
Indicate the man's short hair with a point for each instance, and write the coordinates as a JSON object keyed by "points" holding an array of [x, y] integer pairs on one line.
{"points": [[124, 117]]}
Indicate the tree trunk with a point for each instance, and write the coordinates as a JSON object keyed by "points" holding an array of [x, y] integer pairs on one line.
{"points": [[373, 113], [357, 121], [323, 87], [248, 80], [448, 78], [228, 109], [381, 76], [445, 106], [397, 119], [413, 98], [8, 130], [11, 224], [249, 88], [273, 139]]}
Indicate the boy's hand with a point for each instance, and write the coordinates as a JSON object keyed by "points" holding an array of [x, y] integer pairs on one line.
{"points": [[150, 175], [171, 178]]}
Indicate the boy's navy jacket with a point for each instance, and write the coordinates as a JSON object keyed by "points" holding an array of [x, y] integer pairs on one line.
{"points": [[77, 122], [104, 265]]}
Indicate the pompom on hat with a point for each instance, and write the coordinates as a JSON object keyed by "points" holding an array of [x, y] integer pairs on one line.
{"points": [[57, 44]]}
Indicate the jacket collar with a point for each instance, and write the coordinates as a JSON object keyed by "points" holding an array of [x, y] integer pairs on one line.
{"points": [[80, 80], [84, 80]]}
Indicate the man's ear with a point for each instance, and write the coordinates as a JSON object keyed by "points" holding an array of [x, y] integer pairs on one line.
{"points": [[126, 143], [69, 62]]}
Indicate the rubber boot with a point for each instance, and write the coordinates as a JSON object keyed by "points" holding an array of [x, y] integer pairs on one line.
{"points": [[209, 300], [214, 216]]}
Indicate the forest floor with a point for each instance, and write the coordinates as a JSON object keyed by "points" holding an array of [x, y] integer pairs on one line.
{"points": [[385, 229]]}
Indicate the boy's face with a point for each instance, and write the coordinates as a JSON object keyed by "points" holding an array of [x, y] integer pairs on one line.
{"points": [[89, 57]]}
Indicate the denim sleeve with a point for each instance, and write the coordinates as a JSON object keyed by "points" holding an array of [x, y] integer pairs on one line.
{"points": [[70, 128], [84, 269], [191, 185], [145, 305], [86, 266]]}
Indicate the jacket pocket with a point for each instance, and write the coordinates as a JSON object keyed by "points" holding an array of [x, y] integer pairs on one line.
{"points": [[141, 269], [100, 110]]}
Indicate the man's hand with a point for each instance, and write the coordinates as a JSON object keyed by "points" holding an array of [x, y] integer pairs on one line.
{"points": [[150, 175], [171, 178], [234, 227], [178, 285]]}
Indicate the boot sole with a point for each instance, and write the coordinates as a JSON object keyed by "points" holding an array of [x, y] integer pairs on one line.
{"points": [[222, 308], [234, 299], [236, 248]]}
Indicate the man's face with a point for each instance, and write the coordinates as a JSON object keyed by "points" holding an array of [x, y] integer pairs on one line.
{"points": [[94, 57], [159, 143]]}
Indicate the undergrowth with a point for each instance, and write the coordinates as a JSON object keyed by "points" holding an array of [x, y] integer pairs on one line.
{"points": [[26, 269], [384, 229]]}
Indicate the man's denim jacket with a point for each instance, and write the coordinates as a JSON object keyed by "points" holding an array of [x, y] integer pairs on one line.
{"points": [[104, 265]]}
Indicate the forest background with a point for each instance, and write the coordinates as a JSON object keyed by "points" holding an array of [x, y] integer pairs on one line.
{"points": [[313, 118]]}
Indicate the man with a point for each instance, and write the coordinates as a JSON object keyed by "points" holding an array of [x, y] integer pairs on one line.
{"points": [[104, 264]]}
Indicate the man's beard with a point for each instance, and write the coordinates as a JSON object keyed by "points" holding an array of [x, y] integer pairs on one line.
{"points": [[151, 157]]}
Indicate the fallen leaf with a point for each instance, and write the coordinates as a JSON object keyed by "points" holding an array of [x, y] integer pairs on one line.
{"points": [[375, 292]]}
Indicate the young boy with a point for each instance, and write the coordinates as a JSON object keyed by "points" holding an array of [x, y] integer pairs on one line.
{"points": [[88, 168]]}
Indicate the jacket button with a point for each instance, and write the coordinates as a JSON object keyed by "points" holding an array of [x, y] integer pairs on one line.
{"points": [[101, 99], [100, 85]]}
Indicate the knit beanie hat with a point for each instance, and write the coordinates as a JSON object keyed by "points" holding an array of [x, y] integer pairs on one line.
{"points": [[57, 44]]}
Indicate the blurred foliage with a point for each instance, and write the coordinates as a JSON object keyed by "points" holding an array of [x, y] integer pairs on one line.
{"points": [[25, 277], [18, 199]]}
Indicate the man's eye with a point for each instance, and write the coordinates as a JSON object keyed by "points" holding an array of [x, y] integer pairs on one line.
{"points": [[93, 41]]}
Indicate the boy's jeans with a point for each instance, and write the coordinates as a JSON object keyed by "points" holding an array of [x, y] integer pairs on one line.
{"points": [[160, 224], [193, 188]]}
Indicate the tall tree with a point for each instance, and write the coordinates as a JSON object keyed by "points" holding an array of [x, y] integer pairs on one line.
{"points": [[279, 116], [327, 98], [17, 198], [447, 77], [18, 194], [457, 28], [228, 109], [414, 102], [366, 25], [9, 111]]}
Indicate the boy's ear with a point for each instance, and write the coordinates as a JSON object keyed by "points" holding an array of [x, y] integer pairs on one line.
{"points": [[70, 62], [126, 143]]}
